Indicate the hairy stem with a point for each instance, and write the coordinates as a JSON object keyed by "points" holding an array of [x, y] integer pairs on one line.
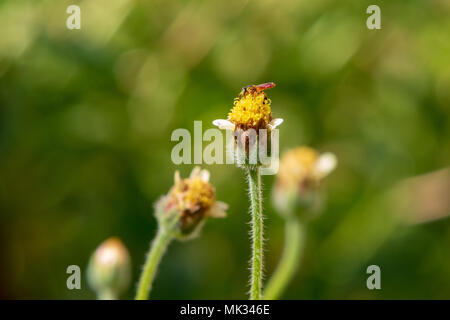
{"points": [[254, 181], [290, 259], [158, 247]]}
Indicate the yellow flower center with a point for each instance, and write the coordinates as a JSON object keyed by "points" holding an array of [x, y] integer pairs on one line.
{"points": [[251, 110], [193, 194], [296, 166]]}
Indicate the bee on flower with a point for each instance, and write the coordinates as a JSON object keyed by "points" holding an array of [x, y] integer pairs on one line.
{"points": [[253, 127], [249, 119]]}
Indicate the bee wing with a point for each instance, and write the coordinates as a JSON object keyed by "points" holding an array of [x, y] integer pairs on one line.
{"points": [[265, 86]]}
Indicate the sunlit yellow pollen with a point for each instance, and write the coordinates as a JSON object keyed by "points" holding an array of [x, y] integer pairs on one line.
{"points": [[251, 111], [193, 194], [297, 165]]}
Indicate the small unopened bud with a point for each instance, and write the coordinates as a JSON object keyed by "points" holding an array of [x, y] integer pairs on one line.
{"points": [[109, 269], [298, 180]]}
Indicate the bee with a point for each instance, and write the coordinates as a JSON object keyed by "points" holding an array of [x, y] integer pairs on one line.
{"points": [[255, 89]]}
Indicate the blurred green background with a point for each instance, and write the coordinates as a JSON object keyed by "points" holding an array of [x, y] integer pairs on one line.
{"points": [[86, 118]]}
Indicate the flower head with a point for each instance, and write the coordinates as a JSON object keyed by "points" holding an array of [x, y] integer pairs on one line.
{"points": [[304, 166], [109, 267], [194, 200], [301, 170], [251, 110], [252, 124]]}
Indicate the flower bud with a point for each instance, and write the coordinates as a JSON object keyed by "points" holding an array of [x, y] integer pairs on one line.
{"points": [[188, 204], [298, 180], [109, 269]]}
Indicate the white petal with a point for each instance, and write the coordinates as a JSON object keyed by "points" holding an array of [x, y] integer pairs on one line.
{"points": [[177, 178], [275, 123], [325, 164], [222, 205], [218, 210], [204, 174], [223, 124], [195, 172]]}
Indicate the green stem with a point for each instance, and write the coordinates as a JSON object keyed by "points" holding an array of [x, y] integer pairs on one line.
{"points": [[159, 245], [254, 181], [290, 259]]}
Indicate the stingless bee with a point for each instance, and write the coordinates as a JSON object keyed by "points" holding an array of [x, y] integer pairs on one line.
{"points": [[255, 89]]}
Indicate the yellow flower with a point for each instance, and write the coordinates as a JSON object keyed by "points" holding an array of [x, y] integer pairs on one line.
{"points": [[251, 110], [303, 165], [301, 170], [195, 198]]}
